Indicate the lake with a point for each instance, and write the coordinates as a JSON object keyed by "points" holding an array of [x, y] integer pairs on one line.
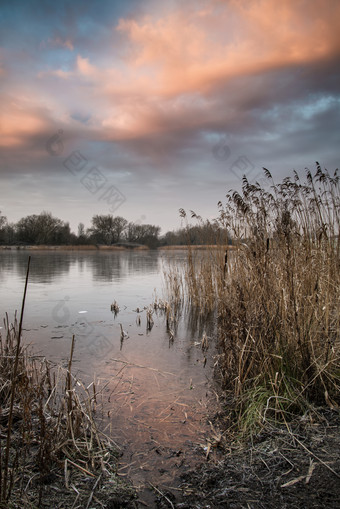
{"points": [[155, 390]]}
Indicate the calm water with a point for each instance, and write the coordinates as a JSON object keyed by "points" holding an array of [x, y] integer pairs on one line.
{"points": [[155, 391]]}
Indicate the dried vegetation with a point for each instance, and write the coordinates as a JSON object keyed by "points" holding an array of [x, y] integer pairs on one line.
{"points": [[52, 453], [276, 292]]}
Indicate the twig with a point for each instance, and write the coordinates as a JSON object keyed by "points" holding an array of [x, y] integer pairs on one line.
{"points": [[92, 492], [68, 379], [78, 495], [144, 367], [162, 495], [80, 468], [315, 456], [66, 474]]}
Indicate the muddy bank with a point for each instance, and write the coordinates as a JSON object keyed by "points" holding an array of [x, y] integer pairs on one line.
{"points": [[295, 466]]}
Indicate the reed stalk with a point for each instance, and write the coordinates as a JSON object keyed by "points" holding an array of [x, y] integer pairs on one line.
{"points": [[4, 493], [276, 291]]}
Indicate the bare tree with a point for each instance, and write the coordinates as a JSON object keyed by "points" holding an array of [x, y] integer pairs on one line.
{"points": [[119, 226], [42, 229], [107, 229], [143, 234], [3, 220]]}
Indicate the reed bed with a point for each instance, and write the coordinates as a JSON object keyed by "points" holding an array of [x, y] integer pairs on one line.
{"points": [[276, 294], [52, 453], [189, 290]]}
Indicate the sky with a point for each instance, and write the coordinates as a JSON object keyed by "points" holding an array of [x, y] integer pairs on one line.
{"points": [[139, 108]]}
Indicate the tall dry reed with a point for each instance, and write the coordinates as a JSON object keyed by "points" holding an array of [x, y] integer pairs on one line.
{"points": [[277, 294]]}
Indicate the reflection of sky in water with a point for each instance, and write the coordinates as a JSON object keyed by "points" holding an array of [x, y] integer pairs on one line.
{"points": [[157, 389], [71, 293], [90, 281]]}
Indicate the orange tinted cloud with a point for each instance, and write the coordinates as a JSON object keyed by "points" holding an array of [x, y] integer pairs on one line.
{"points": [[84, 67], [175, 61], [173, 64], [192, 49], [19, 122]]}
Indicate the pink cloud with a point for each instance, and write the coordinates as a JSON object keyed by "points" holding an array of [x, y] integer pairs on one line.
{"points": [[192, 49], [175, 61], [172, 65], [19, 120], [85, 68]]}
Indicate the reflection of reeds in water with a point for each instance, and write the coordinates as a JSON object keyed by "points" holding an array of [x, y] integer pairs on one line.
{"points": [[149, 319], [204, 342], [115, 308], [171, 319], [186, 288], [173, 277], [123, 335], [277, 295]]}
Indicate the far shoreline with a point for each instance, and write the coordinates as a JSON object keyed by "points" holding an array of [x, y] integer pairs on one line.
{"points": [[85, 247], [91, 247]]}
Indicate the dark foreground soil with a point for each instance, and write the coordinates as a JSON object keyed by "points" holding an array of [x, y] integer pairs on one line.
{"points": [[288, 467], [295, 466], [291, 466]]}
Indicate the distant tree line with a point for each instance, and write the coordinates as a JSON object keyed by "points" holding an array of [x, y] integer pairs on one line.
{"points": [[205, 233], [36, 229], [44, 229]]}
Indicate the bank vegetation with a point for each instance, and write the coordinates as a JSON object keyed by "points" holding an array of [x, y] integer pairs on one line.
{"points": [[276, 296]]}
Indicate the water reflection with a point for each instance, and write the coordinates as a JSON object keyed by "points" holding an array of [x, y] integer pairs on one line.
{"points": [[48, 267], [156, 389], [106, 268], [121, 265], [44, 268]]}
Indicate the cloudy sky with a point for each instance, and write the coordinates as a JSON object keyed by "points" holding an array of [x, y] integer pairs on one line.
{"points": [[140, 107]]}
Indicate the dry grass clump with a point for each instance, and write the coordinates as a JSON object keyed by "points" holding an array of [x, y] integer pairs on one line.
{"points": [[277, 294], [51, 451]]}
